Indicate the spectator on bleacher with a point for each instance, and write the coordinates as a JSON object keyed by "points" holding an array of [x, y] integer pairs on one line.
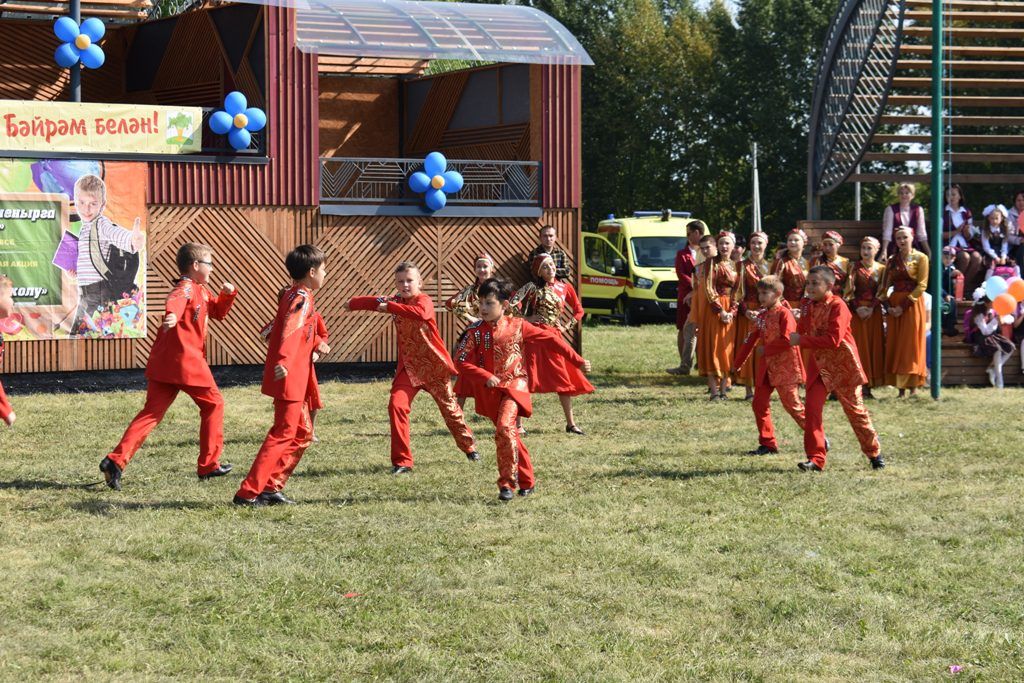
{"points": [[1013, 219], [959, 232], [905, 213], [906, 273], [950, 276], [994, 235], [982, 332], [866, 324], [1018, 330], [1005, 270]]}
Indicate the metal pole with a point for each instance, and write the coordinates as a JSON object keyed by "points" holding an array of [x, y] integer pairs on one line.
{"points": [[76, 68], [755, 222], [856, 196], [935, 279]]}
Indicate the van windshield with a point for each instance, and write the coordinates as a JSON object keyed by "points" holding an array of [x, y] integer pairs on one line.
{"points": [[656, 252]]}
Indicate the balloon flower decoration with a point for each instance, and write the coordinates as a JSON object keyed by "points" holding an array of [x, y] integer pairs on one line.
{"points": [[79, 42], [1004, 295], [435, 181], [238, 120]]}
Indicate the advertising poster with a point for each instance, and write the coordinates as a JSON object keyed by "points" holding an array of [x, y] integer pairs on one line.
{"points": [[72, 238]]}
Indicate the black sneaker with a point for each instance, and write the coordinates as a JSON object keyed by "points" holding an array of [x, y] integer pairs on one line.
{"points": [[400, 469], [808, 466], [248, 502], [221, 470], [877, 462], [111, 473], [505, 495], [473, 456], [275, 498], [573, 429], [763, 450], [526, 492]]}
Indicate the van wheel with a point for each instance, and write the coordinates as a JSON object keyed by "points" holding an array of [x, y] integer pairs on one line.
{"points": [[622, 312]]}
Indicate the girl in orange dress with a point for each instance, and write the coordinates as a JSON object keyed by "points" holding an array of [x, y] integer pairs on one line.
{"points": [[791, 267], [465, 307], [906, 272], [544, 305], [716, 336], [752, 269], [840, 265], [862, 297]]}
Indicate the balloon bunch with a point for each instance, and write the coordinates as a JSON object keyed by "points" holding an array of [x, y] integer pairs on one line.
{"points": [[1004, 295], [238, 120], [435, 181], [80, 42]]}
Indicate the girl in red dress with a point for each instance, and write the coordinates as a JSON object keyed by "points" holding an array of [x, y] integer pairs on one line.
{"points": [[862, 296], [465, 307], [791, 267], [752, 269], [543, 306], [840, 265], [716, 334]]}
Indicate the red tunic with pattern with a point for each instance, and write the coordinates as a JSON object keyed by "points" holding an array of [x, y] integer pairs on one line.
{"points": [[549, 373], [781, 364], [825, 330], [750, 274], [421, 351], [179, 353], [291, 344]]}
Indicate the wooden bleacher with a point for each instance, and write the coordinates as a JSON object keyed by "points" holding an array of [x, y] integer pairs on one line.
{"points": [[960, 367]]}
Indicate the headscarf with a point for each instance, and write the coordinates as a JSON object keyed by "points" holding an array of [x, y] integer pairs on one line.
{"points": [[799, 232], [872, 240], [538, 261], [834, 236], [485, 257]]}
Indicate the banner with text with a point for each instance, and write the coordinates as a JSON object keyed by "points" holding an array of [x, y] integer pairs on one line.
{"points": [[87, 127], [72, 239]]}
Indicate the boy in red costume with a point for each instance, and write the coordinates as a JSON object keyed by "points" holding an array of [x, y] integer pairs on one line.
{"points": [[492, 354], [176, 363], [782, 369], [423, 364], [834, 366], [286, 377], [6, 310]]}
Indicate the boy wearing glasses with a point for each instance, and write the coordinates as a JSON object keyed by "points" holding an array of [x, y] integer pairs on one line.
{"points": [[177, 362]]}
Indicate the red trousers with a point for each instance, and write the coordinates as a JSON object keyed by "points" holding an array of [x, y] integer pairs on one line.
{"points": [[856, 413], [402, 394], [763, 412], [514, 468], [5, 405], [282, 449], [159, 397]]}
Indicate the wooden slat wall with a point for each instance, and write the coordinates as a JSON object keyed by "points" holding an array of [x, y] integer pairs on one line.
{"points": [[249, 245], [561, 142], [362, 253], [292, 176]]}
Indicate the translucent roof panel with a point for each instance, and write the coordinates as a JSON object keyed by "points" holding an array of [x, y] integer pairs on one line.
{"points": [[432, 30]]}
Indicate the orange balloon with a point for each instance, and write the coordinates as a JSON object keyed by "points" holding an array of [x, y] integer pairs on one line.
{"points": [[1016, 290], [1004, 304]]}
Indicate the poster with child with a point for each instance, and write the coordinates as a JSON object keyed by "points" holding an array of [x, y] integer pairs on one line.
{"points": [[72, 239]]}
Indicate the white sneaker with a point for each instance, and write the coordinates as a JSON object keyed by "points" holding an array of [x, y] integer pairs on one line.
{"points": [[991, 375]]}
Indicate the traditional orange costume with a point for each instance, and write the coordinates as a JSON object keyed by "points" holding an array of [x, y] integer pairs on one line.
{"points": [[177, 362], [780, 370], [793, 273], [834, 366], [750, 274], [862, 292], [496, 350], [840, 265], [905, 362], [293, 338], [423, 364], [715, 339]]}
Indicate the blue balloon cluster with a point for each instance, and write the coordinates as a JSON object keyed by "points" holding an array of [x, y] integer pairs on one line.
{"points": [[238, 120], [80, 42], [435, 182], [994, 286]]}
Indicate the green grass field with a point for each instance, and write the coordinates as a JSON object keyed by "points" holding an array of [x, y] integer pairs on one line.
{"points": [[653, 550]]}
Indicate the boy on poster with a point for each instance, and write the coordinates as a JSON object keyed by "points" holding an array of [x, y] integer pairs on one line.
{"points": [[100, 281]]}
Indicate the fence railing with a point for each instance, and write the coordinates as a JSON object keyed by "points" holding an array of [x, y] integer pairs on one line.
{"points": [[385, 181]]}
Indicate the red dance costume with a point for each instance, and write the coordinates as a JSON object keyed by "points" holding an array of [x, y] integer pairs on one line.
{"points": [[780, 370], [834, 366], [496, 350], [313, 399], [465, 306], [5, 405], [552, 373], [423, 364], [793, 273], [176, 363], [840, 267], [750, 274], [293, 339]]}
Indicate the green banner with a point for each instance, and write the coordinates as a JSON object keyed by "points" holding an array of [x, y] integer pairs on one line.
{"points": [[29, 229]]}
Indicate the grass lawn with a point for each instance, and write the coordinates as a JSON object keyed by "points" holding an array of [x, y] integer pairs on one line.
{"points": [[653, 550]]}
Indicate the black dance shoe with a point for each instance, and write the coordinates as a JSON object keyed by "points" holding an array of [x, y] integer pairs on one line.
{"points": [[573, 429], [248, 502], [808, 466], [275, 498], [473, 456], [763, 450], [400, 469], [505, 495], [111, 473], [877, 462], [221, 470], [526, 492]]}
